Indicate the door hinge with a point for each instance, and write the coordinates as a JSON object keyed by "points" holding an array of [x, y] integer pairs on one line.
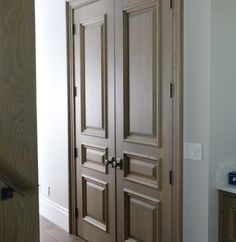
{"points": [[170, 4], [76, 152], [75, 91], [74, 29], [171, 90], [76, 212], [171, 177]]}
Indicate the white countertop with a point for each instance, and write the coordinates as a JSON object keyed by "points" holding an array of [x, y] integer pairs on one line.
{"points": [[227, 188]]}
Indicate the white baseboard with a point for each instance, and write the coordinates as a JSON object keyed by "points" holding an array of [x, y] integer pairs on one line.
{"points": [[54, 212]]}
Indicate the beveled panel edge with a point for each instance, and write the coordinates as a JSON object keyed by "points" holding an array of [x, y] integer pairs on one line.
{"points": [[142, 196], [156, 202], [135, 179], [155, 138], [100, 20], [89, 219], [137, 7], [95, 223], [80, 3], [85, 146], [101, 132], [143, 140]]}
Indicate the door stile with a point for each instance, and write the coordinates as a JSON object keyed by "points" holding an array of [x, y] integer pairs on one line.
{"points": [[71, 120]]}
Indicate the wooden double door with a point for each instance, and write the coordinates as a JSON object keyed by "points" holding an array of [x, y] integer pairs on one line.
{"points": [[123, 122]]}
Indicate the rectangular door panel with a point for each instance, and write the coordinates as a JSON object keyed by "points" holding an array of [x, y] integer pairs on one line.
{"points": [[95, 210], [94, 157], [93, 76], [141, 49], [142, 169], [141, 218]]}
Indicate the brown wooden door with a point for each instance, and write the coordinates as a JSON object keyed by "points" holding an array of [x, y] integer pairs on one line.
{"points": [[143, 120], [94, 76], [128, 117], [19, 220]]}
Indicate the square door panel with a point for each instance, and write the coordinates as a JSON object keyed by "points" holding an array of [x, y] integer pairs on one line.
{"points": [[95, 207], [141, 218], [141, 75], [93, 54]]}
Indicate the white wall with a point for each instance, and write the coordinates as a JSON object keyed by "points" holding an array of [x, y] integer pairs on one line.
{"points": [[210, 109], [52, 109], [222, 98], [196, 117]]}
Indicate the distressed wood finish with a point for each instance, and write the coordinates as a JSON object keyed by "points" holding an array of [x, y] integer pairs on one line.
{"points": [[18, 135], [144, 118], [94, 107], [145, 169]]}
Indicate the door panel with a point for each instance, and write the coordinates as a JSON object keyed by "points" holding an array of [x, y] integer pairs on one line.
{"points": [[95, 209], [142, 169], [94, 77], [140, 208], [143, 120], [19, 219], [93, 57], [141, 97]]}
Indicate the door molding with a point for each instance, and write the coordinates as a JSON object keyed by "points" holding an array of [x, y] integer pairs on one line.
{"points": [[177, 116], [178, 78], [71, 119]]}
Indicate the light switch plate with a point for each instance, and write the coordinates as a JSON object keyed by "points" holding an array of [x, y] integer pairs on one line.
{"points": [[193, 151]]}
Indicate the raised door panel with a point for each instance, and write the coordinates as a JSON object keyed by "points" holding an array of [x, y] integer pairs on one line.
{"points": [[141, 218], [93, 76], [141, 97], [95, 210], [144, 120], [142, 169], [94, 108], [93, 157]]}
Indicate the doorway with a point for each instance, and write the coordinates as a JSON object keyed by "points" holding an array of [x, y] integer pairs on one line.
{"points": [[125, 120]]}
